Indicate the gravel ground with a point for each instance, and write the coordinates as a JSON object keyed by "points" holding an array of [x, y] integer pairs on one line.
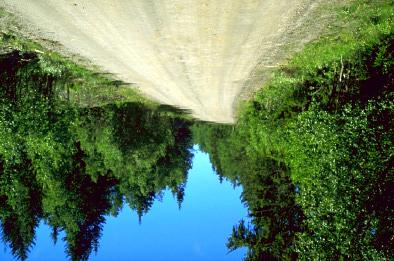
{"points": [[197, 55]]}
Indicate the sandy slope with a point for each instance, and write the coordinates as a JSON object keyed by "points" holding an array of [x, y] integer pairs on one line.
{"points": [[195, 54]]}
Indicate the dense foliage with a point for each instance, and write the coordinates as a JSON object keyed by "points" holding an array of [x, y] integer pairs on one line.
{"points": [[313, 151], [71, 167], [268, 193], [326, 122]]}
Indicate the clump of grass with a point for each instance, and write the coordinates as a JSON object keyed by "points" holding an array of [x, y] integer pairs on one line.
{"points": [[332, 71]]}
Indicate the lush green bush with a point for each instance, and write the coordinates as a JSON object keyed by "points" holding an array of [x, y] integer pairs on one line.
{"points": [[327, 117], [341, 163]]}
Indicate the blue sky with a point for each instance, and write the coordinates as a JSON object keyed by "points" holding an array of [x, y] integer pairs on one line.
{"points": [[197, 232]]}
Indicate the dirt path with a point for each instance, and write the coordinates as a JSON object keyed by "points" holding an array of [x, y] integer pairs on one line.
{"points": [[197, 55]]}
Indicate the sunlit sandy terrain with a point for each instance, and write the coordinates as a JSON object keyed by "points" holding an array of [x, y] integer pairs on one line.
{"points": [[197, 55]]}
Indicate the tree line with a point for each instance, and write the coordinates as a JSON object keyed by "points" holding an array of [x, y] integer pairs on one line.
{"points": [[313, 149], [70, 166]]}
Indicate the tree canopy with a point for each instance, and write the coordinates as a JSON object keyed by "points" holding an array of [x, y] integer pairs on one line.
{"points": [[313, 149], [71, 166]]}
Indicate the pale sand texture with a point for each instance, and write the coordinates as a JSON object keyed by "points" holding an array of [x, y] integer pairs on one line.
{"points": [[194, 54]]}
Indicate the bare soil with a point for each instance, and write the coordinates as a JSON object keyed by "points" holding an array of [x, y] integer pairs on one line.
{"points": [[196, 55]]}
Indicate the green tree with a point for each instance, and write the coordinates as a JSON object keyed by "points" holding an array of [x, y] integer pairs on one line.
{"points": [[275, 218], [72, 167]]}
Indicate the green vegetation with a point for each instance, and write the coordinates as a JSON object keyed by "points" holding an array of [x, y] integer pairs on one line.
{"points": [[324, 123], [81, 86], [72, 166], [313, 150], [268, 193], [76, 145]]}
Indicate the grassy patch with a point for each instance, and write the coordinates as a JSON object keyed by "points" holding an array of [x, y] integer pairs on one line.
{"points": [[82, 86], [330, 72], [328, 117]]}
